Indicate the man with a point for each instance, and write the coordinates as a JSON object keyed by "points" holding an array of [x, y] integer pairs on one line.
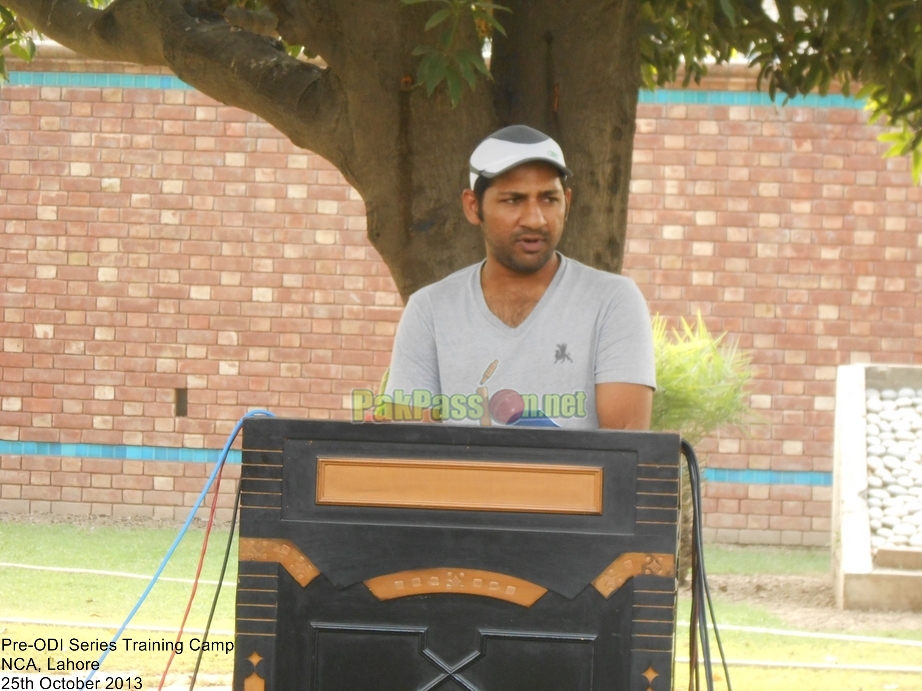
{"points": [[528, 336]]}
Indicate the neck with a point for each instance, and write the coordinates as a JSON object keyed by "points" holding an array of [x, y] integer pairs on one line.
{"points": [[512, 295], [497, 277]]}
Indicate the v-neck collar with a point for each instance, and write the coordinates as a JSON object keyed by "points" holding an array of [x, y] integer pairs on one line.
{"points": [[532, 317]]}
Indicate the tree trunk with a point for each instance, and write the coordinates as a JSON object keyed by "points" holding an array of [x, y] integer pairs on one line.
{"points": [[570, 69]]}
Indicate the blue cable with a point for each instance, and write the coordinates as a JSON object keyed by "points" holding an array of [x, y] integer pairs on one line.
{"points": [[182, 531]]}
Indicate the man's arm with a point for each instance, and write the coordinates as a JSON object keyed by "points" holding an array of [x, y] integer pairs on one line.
{"points": [[626, 369], [624, 406], [414, 362]]}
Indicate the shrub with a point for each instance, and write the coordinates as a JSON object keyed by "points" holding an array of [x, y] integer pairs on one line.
{"points": [[702, 386]]}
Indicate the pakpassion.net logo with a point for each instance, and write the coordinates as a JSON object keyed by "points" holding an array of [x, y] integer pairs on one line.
{"points": [[505, 407]]}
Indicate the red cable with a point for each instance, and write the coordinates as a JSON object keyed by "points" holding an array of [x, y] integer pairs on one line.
{"points": [[198, 573]]}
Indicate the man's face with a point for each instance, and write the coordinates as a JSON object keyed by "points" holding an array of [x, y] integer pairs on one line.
{"points": [[523, 215]]}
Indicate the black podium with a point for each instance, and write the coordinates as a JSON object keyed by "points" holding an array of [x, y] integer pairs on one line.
{"points": [[408, 557]]}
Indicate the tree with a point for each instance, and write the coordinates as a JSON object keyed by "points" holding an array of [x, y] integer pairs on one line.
{"points": [[401, 94]]}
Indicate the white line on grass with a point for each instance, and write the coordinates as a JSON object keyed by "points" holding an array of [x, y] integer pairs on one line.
{"points": [[114, 627], [715, 664], [812, 634], [117, 574]]}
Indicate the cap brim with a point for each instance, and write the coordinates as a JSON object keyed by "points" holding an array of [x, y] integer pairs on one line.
{"points": [[489, 174], [537, 159]]}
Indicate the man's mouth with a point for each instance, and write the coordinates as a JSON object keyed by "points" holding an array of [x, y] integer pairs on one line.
{"points": [[531, 242]]}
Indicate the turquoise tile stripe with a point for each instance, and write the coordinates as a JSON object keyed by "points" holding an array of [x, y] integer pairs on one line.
{"points": [[97, 80], [661, 96], [745, 98], [181, 455], [769, 477], [119, 451]]}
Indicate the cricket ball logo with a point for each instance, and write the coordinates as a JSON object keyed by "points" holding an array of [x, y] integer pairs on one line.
{"points": [[505, 406]]}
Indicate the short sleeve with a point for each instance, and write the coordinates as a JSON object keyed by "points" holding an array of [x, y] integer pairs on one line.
{"points": [[414, 360], [625, 346]]}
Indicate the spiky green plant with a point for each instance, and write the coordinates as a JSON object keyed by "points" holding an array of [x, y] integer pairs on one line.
{"points": [[701, 386]]}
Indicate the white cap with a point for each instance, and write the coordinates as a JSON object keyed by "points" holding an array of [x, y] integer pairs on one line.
{"points": [[512, 146]]}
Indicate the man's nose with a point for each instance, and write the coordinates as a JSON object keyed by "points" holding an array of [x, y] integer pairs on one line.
{"points": [[533, 215]]}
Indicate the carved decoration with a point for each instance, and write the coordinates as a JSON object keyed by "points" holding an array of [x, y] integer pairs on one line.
{"points": [[650, 675], [632, 564], [285, 552], [462, 581], [254, 682]]}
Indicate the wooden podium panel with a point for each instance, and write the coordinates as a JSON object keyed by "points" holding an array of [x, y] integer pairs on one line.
{"points": [[389, 557]]}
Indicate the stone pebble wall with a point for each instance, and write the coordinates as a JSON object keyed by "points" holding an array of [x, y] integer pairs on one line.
{"points": [[894, 451], [154, 240]]}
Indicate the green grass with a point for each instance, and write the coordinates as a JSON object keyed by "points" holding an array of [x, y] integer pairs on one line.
{"points": [[80, 597], [100, 599], [779, 561], [741, 645], [111, 548], [73, 597]]}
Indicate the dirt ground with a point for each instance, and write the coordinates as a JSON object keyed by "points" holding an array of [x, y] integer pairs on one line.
{"points": [[803, 602], [806, 602], [93, 520]]}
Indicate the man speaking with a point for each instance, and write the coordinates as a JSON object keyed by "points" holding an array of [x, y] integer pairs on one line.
{"points": [[527, 337]]}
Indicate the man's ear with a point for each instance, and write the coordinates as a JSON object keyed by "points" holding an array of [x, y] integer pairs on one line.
{"points": [[471, 207], [568, 195]]}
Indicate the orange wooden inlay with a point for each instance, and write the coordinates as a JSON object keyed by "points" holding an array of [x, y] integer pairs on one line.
{"points": [[461, 581], [285, 552], [460, 485], [632, 564]]}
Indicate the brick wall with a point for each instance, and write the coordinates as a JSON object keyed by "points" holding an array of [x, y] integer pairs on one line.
{"points": [[154, 240], [788, 230], [112, 487]]}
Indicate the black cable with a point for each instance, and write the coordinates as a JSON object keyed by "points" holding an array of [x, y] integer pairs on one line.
{"points": [[217, 592], [701, 591]]}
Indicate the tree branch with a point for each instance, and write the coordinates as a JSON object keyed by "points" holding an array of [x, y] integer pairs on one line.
{"points": [[311, 24], [236, 67], [98, 34], [303, 101]]}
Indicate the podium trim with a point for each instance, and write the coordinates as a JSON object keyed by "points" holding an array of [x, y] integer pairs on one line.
{"points": [[459, 581], [281, 551]]}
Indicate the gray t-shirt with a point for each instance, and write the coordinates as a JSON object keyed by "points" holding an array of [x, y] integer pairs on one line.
{"points": [[451, 352]]}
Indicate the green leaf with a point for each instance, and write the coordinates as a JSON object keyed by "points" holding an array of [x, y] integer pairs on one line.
{"points": [[916, 165], [432, 71], [4, 75], [453, 80], [892, 137], [813, 77], [447, 37], [20, 52], [489, 19], [438, 18], [473, 59], [728, 11], [467, 71], [424, 50]]}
